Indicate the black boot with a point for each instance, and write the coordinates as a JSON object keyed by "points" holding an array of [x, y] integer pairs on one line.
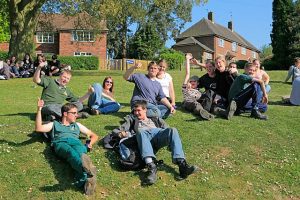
{"points": [[151, 177], [257, 115], [184, 169]]}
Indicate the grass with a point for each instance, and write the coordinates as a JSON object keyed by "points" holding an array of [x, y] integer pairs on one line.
{"points": [[241, 159]]}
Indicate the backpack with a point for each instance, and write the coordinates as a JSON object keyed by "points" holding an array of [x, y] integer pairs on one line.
{"points": [[132, 160]]}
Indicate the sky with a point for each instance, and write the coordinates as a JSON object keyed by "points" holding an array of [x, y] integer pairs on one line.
{"points": [[251, 18]]}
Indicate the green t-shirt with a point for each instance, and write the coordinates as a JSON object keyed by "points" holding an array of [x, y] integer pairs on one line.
{"points": [[61, 132], [238, 85], [53, 93]]}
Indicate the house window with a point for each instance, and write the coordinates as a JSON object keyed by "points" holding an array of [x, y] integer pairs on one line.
{"points": [[234, 46], [82, 54], [45, 37], [221, 42], [207, 56], [83, 36], [243, 49], [254, 54]]}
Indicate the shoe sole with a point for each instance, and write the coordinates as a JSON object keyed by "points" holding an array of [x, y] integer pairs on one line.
{"points": [[232, 109], [88, 166], [90, 186], [206, 115]]}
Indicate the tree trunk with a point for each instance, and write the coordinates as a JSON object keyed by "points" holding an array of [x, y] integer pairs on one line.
{"points": [[124, 39], [23, 17]]}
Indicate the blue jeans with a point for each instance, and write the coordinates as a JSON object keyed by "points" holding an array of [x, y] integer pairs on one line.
{"points": [[104, 106], [160, 111], [153, 139]]}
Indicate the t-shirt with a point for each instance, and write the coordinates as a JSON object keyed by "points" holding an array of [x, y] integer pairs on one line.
{"points": [[60, 131], [207, 82], [143, 125], [146, 89], [190, 93], [53, 93], [238, 85], [165, 83], [224, 81], [56, 64]]}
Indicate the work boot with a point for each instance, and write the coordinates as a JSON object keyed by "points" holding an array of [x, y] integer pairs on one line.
{"points": [[94, 111], [91, 170], [258, 115], [83, 115], [184, 169], [231, 109], [152, 169], [220, 112], [203, 113]]}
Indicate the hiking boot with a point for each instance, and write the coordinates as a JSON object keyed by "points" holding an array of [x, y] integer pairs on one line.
{"points": [[90, 186], [220, 112], [152, 169], [83, 115], [206, 115], [185, 170], [257, 115], [231, 109], [94, 111], [88, 166]]}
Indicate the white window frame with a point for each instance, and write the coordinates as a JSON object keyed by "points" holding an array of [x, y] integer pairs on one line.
{"points": [[82, 53], [254, 55], [221, 42], [44, 37], [234, 46], [83, 36], [243, 51]]}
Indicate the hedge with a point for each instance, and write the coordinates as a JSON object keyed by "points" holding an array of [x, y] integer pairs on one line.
{"points": [[80, 62], [3, 55], [174, 59]]}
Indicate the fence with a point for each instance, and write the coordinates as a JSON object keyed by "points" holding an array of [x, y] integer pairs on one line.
{"points": [[124, 64]]}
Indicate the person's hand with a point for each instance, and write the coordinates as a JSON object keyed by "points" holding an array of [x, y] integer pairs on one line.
{"points": [[91, 90], [90, 146], [40, 104], [123, 134], [188, 56], [172, 109], [265, 99], [42, 64], [233, 70], [138, 65]]}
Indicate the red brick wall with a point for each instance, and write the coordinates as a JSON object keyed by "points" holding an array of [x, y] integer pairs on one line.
{"points": [[67, 47], [47, 47], [4, 46]]}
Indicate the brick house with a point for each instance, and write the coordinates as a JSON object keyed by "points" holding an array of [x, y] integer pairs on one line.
{"points": [[207, 40], [70, 36]]}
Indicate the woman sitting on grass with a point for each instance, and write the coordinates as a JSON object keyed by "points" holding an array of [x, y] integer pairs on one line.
{"points": [[101, 101]]}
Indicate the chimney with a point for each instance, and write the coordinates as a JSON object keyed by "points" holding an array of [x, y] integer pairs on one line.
{"points": [[230, 25], [211, 16]]}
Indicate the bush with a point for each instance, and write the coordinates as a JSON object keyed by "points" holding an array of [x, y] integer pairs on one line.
{"points": [[174, 58], [241, 64], [270, 64], [80, 62], [3, 55]]}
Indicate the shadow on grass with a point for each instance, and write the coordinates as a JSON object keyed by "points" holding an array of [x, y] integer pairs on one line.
{"points": [[31, 116], [279, 103], [34, 137], [62, 171]]}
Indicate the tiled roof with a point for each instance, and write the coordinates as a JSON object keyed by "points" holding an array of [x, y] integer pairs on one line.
{"points": [[206, 27], [57, 22], [192, 41]]}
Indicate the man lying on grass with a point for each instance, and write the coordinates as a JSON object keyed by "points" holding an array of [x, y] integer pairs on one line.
{"points": [[152, 134], [66, 143]]}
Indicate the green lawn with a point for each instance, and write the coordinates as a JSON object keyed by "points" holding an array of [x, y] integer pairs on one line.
{"points": [[241, 159]]}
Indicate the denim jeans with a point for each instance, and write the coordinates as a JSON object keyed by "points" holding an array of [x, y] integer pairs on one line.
{"points": [[160, 111], [104, 106], [246, 94], [151, 140]]}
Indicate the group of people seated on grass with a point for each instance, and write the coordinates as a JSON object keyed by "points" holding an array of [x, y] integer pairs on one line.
{"points": [[225, 93], [25, 68]]}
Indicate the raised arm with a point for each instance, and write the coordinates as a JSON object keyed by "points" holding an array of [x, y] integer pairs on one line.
{"points": [[89, 133], [131, 70], [188, 57], [37, 73], [39, 126]]}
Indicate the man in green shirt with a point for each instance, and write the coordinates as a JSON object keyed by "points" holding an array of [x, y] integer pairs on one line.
{"points": [[66, 144], [238, 96], [55, 93]]}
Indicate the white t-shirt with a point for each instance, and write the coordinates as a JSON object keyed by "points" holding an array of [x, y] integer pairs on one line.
{"points": [[165, 83]]}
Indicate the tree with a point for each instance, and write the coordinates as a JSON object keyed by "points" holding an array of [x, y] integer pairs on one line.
{"points": [[294, 48], [4, 22], [266, 52], [281, 34]]}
